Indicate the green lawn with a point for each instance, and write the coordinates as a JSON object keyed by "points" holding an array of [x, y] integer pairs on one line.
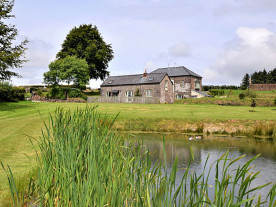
{"points": [[19, 121]]}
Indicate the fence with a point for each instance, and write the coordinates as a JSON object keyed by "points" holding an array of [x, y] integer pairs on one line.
{"points": [[116, 99]]}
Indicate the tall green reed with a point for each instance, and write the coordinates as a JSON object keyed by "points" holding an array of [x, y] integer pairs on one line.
{"points": [[83, 162]]}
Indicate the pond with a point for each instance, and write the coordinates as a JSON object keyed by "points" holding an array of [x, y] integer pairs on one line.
{"points": [[179, 146]]}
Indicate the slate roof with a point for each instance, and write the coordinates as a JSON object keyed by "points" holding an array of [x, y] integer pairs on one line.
{"points": [[176, 71], [151, 78]]}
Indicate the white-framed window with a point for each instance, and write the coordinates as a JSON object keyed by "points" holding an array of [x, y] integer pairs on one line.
{"points": [[166, 85], [108, 93], [179, 96], [148, 93], [182, 84], [129, 93], [197, 84]]}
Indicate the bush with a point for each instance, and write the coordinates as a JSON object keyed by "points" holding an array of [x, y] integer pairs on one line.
{"points": [[241, 96], [10, 93], [57, 92], [60, 93], [250, 93], [275, 101], [253, 103], [75, 93], [218, 92]]}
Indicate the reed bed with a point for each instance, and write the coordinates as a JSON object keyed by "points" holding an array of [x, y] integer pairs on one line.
{"points": [[83, 162]]}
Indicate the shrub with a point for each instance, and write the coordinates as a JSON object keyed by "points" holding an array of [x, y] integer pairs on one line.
{"points": [[75, 93], [253, 103], [241, 96], [250, 93], [214, 92], [137, 92], [275, 101], [10, 93], [57, 92]]}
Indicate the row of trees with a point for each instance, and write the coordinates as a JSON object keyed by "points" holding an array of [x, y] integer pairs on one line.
{"points": [[260, 77]]}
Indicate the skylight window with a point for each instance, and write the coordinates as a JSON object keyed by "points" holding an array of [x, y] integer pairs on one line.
{"points": [[110, 82], [151, 79]]}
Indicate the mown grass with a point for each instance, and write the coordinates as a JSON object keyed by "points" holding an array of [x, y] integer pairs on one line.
{"points": [[83, 162], [22, 120]]}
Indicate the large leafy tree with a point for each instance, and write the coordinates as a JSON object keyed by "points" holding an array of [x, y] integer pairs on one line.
{"points": [[11, 55], [69, 70], [86, 42]]}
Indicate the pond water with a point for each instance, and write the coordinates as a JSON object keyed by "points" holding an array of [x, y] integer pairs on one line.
{"points": [[179, 146]]}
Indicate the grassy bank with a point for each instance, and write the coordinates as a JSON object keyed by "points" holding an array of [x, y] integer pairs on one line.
{"points": [[19, 121], [83, 162]]}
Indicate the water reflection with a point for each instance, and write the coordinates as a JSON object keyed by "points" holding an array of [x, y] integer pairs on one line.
{"points": [[179, 146]]}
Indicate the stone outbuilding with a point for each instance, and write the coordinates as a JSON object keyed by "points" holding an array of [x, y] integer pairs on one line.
{"points": [[140, 88], [162, 85], [186, 82]]}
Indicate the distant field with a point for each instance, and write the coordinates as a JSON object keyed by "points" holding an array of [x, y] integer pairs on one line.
{"points": [[19, 121]]}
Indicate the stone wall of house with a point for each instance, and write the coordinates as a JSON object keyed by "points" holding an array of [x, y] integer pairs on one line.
{"points": [[167, 96], [159, 95], [263, 87], [189, 84]]}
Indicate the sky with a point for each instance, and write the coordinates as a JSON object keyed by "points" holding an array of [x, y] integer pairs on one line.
{"points": [[219, 40]]}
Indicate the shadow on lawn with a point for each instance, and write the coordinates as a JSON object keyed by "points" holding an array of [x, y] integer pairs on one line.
{"points": [[10, 106]]}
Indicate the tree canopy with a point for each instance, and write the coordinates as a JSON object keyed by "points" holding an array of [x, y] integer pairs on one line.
{"points": [[260, 77], [85, 42], [68, 70], [264, 77], [245, 81], [11, 56]]}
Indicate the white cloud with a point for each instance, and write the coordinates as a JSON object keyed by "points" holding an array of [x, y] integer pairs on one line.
{"points": [[39, 54], [253, 50], [180, 50], [150, 66]]}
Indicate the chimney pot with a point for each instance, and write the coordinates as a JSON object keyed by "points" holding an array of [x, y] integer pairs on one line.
{"points": [[145, 73]]}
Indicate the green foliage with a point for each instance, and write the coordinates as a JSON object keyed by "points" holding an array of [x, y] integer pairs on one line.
{"points": [[245, 82], [137, 92], [58, 93], [209, 87], [86, 42], [215, 92], [250, 93], [69, 70], [264, 77], [10, 54], [9, 93], [241, 96], [75, 93]]}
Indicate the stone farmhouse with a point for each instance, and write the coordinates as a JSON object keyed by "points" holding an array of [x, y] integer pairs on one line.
{"points": [[163, 85]]}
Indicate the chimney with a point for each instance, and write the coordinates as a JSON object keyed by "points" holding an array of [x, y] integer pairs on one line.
{"points": [[145, 73], [249, 81]]}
